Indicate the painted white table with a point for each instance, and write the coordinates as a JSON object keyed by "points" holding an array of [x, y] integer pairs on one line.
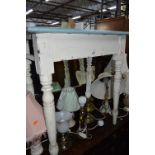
{"points": [[55, 44]]}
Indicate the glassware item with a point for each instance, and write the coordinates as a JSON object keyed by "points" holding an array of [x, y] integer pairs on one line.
{"points": [[62, 122], [63, 116], [63, 127]]}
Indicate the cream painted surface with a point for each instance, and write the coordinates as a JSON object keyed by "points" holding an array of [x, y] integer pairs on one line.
{"points": [[75, 46], [49, 112], [50, 48]]}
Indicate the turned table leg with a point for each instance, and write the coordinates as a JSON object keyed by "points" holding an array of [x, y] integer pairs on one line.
{"points": [[88, 77], [117, 77], [49, 112], [36, 149], [29, 84], [67, 74], [116, 90], [81, 63]]}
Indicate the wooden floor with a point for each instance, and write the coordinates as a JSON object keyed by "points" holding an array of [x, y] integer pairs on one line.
{"points": [[109, 140]]}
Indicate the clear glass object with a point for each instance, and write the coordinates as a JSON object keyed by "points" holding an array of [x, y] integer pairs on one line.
{"points": [[62, 123]]}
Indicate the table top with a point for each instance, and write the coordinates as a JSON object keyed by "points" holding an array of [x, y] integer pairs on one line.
{"points": [[39, 29], [57, 44]]}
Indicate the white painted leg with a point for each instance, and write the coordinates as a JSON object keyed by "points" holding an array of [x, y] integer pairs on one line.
{"points": [[36, 149], [49, 112], [29, 84], [88, 77], [116, 90], [81, 75], [81, 63], [67, 74]]}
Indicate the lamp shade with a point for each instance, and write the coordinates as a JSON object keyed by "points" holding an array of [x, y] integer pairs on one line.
{"points": [[68, 100], [35, 122], [98, 87]]}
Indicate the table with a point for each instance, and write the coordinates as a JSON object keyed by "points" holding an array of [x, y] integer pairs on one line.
{"points": [[56, 44]]}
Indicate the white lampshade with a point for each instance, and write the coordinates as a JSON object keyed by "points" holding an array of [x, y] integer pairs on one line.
{"points": [[68, 100], [98, 87]]}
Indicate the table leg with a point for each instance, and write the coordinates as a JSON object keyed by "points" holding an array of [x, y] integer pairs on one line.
{"points": [[67, 74], [49, 112], [116, 90], [36, 149], [29, 83], [88, 77]]}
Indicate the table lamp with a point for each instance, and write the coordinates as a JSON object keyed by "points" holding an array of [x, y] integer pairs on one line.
{"points": [[83, 114], [99, 89], [35, 124], [62, 123], [68, 101]]}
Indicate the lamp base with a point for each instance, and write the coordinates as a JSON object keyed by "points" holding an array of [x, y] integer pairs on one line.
{"points": [[105, 108], [90, 118], [90, 108], [89, 105], [64, 141]]}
